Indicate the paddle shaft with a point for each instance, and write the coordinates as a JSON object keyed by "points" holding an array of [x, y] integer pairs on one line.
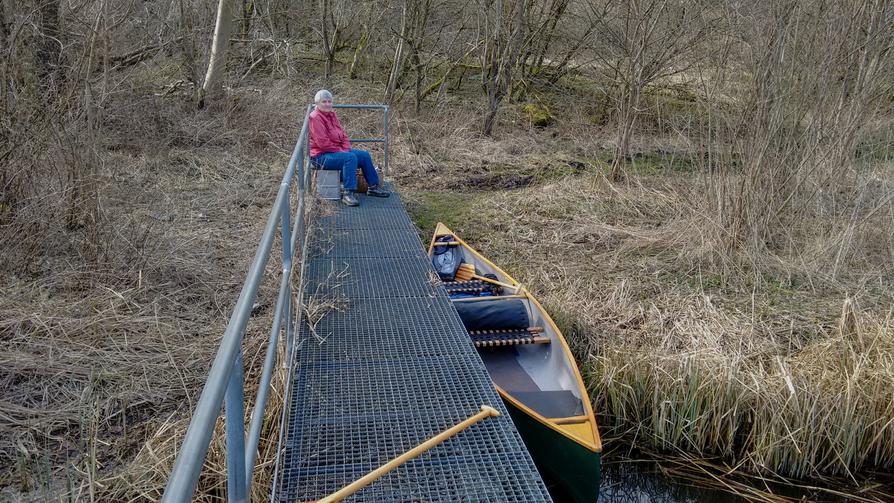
{"points": [[466, 272], [353, 487], [495, 282]]}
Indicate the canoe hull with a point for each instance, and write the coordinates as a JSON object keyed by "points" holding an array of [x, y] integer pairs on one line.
{"points": [[574, 468]]}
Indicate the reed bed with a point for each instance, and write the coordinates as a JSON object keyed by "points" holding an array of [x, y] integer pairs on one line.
{"points": [[780, 374]]}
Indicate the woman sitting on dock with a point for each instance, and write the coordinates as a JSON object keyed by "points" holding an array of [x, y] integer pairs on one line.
{"points": [[330, 148]]}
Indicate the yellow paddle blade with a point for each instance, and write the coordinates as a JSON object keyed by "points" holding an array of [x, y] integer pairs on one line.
{"points": [[465, 272]]}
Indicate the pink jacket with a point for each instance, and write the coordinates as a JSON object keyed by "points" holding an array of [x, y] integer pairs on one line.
{"points": [[326, 134]]}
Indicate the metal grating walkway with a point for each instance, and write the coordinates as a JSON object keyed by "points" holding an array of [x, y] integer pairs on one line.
{"points": [[386, 365]]}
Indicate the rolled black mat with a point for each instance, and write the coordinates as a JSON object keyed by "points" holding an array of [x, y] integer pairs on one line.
{"points": [[493, 314]]}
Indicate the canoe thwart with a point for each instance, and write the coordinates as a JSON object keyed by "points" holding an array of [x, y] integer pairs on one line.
{"points": [[473, 286], [509, 337]]}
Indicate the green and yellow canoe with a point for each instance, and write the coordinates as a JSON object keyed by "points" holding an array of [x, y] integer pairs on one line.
{"points": [[534, 373]]}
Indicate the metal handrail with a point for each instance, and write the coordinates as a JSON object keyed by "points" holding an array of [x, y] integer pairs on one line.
{"points": [[225, 383], [383, 139]]}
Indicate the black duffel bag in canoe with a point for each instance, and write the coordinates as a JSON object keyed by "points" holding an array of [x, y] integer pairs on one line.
{"points": [[508, 314]]}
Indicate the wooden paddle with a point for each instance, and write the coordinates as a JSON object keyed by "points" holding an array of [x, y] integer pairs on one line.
{"points": [[466, 272], [486, 412]]}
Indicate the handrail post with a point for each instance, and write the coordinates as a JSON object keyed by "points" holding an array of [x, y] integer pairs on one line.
{"points": [[235, 422], [288, 253], [286, 234], [385, 127]]}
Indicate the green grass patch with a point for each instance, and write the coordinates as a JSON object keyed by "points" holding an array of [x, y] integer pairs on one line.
{"points": [[538, 115], [428, 208]]}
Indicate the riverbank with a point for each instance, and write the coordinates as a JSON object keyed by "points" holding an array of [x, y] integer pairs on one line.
{"points": [[777, 364]]}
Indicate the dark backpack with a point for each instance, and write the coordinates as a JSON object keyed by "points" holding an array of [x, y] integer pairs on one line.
{"points": [[446, 259]]}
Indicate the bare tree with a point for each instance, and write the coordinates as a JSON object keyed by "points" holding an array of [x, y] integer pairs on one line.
{"points": [[336, 29], [541, 28], [817, 75], [427, 22], [372, 19], [188, 51], [248, 13], [502, 32], [418, 13], [398, 61], [637, 43], [358, 51], [220, 44], [50, 47]]}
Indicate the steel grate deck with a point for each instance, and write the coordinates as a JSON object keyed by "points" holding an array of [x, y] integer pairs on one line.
{"points": [[367, 277], [368, 243], [384, 364], [377, 213], [390, 328]]}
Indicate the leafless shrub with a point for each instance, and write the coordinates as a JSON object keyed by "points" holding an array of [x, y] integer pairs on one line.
{"points": [[638, 43], [818, 75]]}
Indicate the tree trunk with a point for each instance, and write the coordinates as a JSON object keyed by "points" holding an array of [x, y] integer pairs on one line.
{"points": [[333, 48], [248, 12], [220, 44], [493, 102], [364, 38], [188, 48], [4, 36], [328, 49], [417, 66], [4, 26], [398, 60], [500, 51], [627, 110], [50, 49]]}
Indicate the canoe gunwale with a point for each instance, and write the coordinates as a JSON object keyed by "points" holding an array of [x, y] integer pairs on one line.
{"points": [[552, 423]]}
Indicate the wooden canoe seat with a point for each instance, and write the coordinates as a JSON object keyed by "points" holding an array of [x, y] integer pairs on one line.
{"points": [[472, 286], [509, 337]]}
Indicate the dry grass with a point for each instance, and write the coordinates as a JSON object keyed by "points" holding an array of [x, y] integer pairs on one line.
{"points": [[109, 327], [763, 361], [778, 364]]}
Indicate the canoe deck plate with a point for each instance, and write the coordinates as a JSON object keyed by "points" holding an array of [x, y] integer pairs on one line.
{"points": [[384, 363]]}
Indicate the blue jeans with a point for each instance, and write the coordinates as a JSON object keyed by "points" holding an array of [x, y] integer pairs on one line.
{"points": [[347, 162]]}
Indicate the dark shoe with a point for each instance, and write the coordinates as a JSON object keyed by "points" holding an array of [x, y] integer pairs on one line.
{"points": [[377, 191], [349, 200]]}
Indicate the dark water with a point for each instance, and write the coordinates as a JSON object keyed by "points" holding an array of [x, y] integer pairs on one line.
{"points": [[644, 482]]}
